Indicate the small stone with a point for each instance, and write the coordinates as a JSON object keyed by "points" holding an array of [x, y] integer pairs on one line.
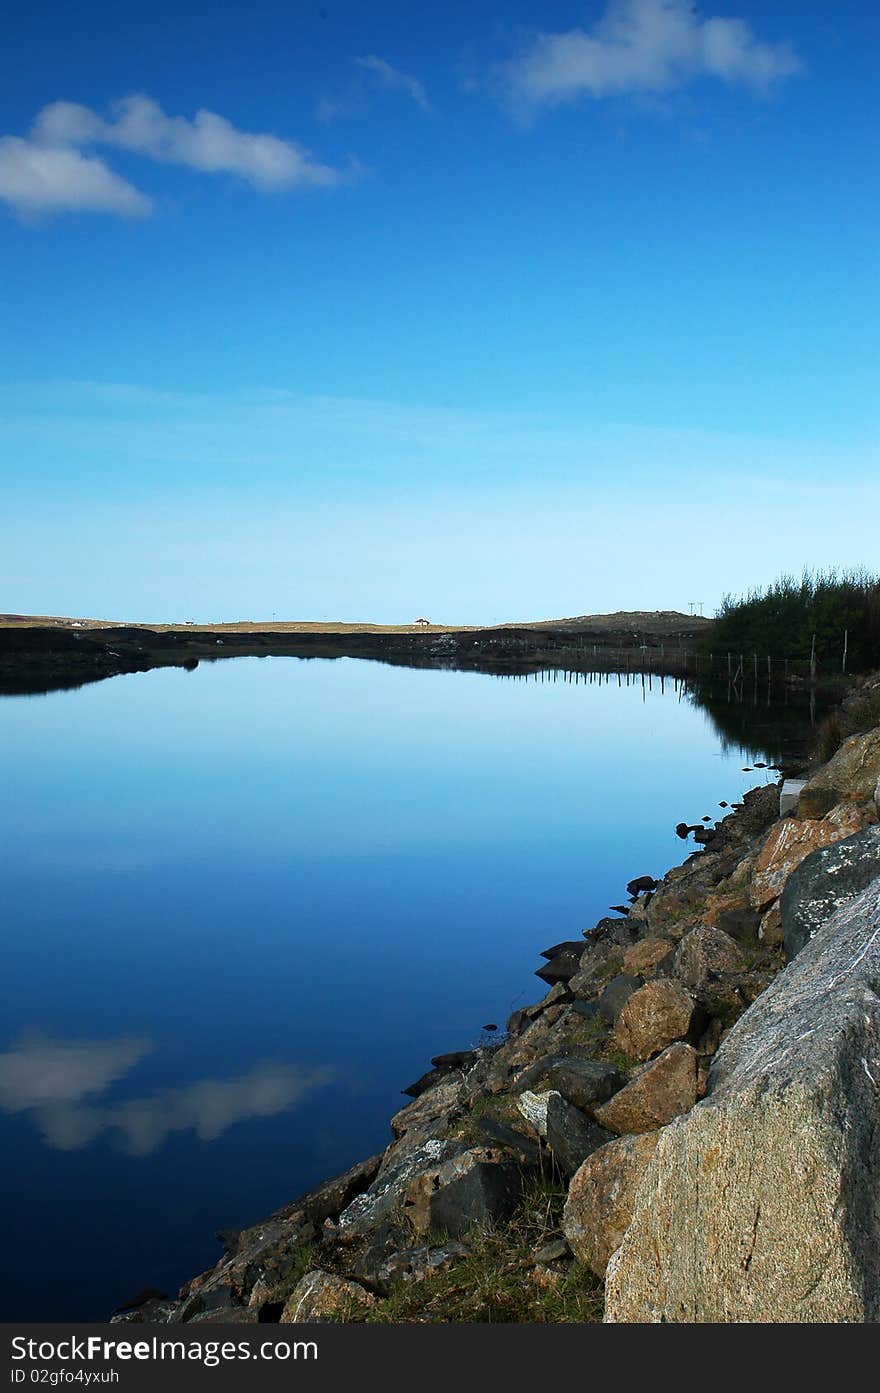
{"points": [[554, 1251], [533, 1107]]}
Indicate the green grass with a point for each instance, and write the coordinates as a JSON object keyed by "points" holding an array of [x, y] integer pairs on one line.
{"points": [[494, 1283]]}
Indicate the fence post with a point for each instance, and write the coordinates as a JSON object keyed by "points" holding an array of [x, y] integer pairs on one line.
{"points": [[845, 642]]}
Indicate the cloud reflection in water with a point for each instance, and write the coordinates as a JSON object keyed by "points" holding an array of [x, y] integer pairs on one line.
{"points": [[59, 1084]]}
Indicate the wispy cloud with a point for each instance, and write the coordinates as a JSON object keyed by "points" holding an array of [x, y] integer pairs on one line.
{"points": [[643, 46], [57, 1082], [394, 79], [48, 171], [356, 99]]}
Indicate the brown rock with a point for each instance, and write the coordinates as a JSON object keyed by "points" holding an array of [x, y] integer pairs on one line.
{"points": [[436, 1102], [851, 775], [721, 904], [790, 841], [770, 928], [644, 957], [322, 1296], [656, 1093], [703, 953], [601, 1197], [658, 1013]]}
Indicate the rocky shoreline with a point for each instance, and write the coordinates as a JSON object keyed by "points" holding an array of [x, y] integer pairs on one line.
{"points": [[692, 1106]]}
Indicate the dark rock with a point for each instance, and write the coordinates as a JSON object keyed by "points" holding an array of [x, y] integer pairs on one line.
{"points": [[516, 1022], [581, 1080], [641, 884], [509, 1139], [563, 966], [621, 908], [327, 1201], [387, 1239], [457, 1059], [824, 882], [569, 946], [492, 1026], [417, 1265], [571, 1135], [617, 994], [443, 1065], [740, 924], [589, 1009], [474, 1187]]}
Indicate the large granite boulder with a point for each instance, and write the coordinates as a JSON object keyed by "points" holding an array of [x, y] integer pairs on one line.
{"points": [[763, 1203], [823, 882], [601, 1195]]}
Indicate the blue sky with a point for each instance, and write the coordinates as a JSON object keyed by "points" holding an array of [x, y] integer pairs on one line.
{"points": [[478, 311]]}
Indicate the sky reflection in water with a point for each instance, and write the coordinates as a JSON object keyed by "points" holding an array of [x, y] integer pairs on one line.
{"points": [[246, 904]]}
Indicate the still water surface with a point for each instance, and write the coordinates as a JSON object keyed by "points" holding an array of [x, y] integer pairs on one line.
{"points": [[244, 905]]}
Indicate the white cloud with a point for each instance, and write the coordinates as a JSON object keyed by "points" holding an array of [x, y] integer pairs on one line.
{"points": [[52, 169], [395, 79], [38, 179], [208, 142], [643, 46]]}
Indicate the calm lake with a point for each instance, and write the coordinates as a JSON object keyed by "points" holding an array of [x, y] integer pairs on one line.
{"points": [[243, 906]]}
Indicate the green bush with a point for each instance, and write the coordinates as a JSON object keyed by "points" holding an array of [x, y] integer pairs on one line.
{"points": [[782, 620]]}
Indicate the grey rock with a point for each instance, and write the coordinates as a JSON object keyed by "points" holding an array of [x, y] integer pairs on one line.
{"points": [[823, 882], [379, 1202], [763, 1203], [555, 1251], [571, 1135]]}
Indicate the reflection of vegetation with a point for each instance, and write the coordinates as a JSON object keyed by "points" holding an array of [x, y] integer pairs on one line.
{"points": [[780, 730], [784, 619]]}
